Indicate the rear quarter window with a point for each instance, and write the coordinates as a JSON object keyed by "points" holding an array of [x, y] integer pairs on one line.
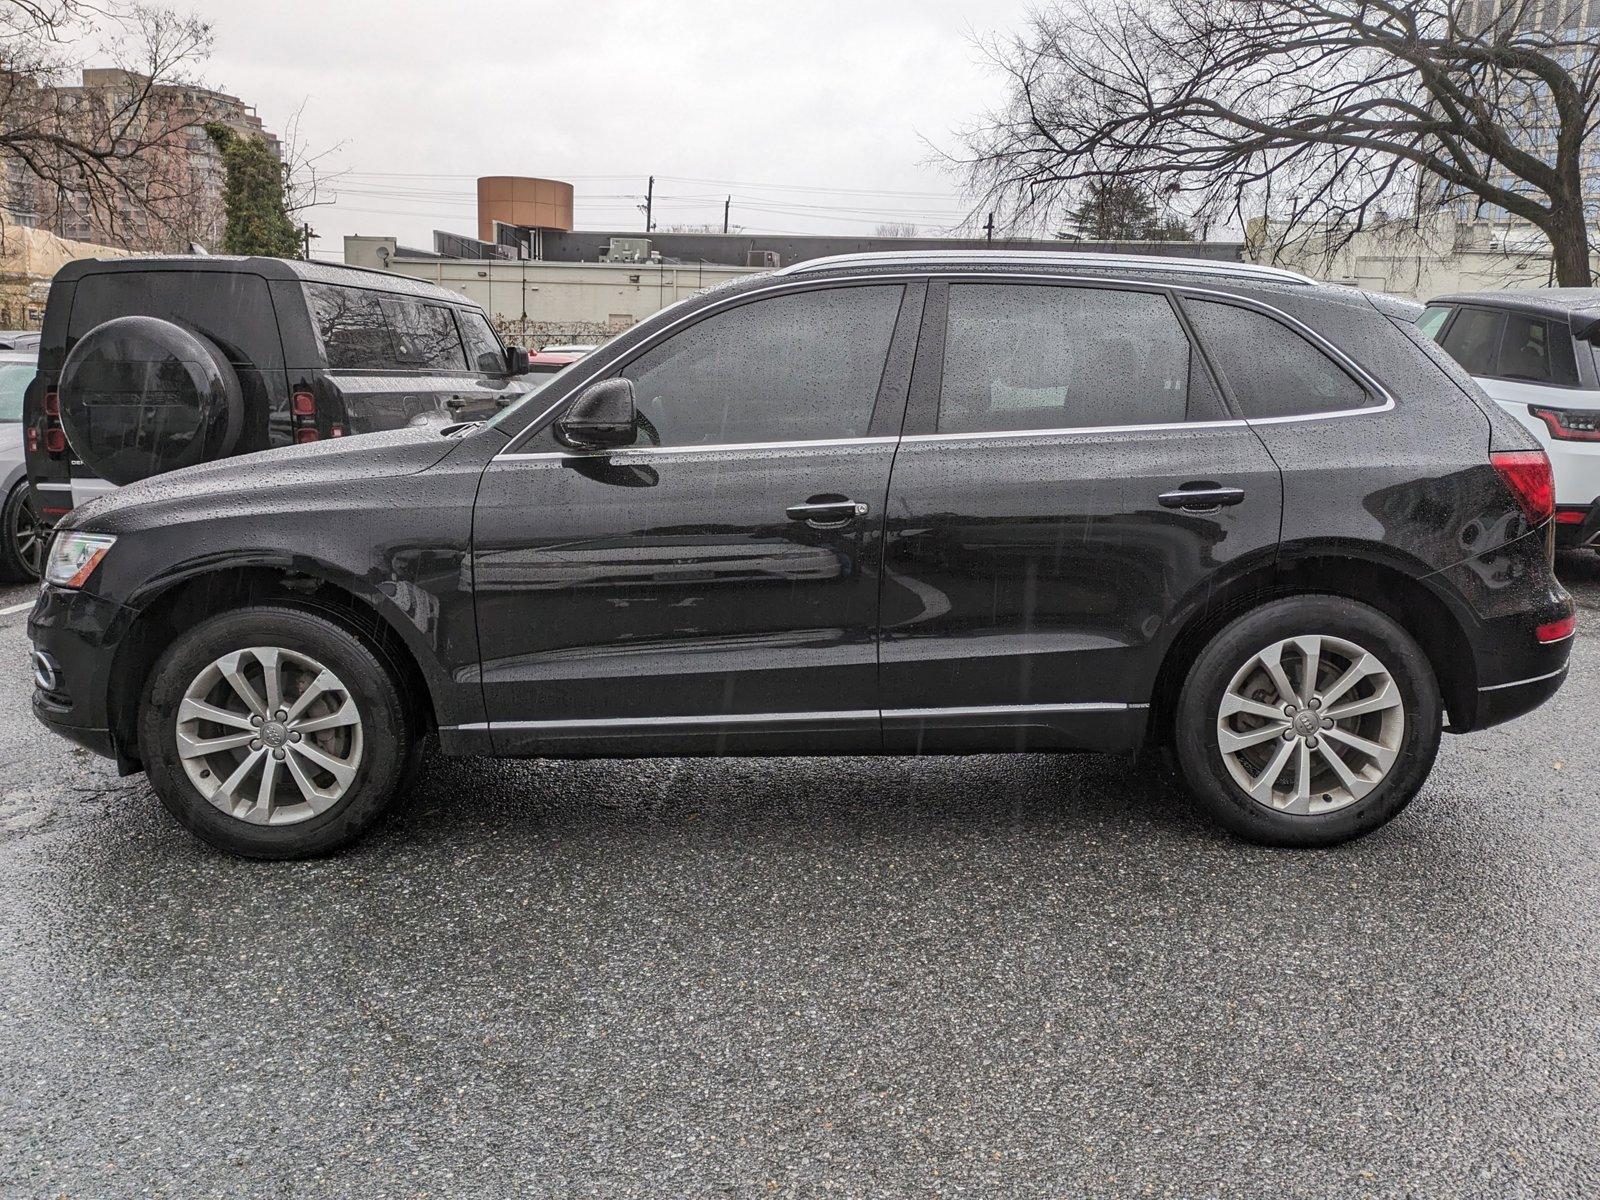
{"points": [[364, 330], [1473, 340], [1270, 369]]}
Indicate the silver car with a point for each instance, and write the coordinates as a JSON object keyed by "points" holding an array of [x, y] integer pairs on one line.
{"points": [[22, 533]]}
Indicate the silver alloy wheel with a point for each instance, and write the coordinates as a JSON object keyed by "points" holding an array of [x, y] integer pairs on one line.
{"points": [[269, 736], [1310, 725], [29, 535]]}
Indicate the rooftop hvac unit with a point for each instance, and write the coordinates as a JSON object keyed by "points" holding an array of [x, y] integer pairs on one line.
{"points": [[762, 258], [627, 250]]}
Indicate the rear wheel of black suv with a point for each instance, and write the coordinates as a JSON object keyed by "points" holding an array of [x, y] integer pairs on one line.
{"points": [[1308, 721], [274, 733]]}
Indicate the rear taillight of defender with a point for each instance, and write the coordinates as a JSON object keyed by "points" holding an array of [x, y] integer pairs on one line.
{"points": [[1526, 474], [51, 434], [303, 410]]}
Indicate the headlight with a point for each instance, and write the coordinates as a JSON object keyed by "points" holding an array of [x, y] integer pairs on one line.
{"points": [[74, 556]]}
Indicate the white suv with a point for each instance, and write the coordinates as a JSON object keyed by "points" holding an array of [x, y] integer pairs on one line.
{"points": [[1536, 353]]}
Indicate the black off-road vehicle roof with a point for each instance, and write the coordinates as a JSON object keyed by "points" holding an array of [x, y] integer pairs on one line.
{"points": [[287, 269]]}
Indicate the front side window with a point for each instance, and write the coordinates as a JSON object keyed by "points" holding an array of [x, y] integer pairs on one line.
{"points": [[1473, 339], [1534, 350], [424, 335], [1271, 370], [799, 367], [483, 348], [1027, 356]]}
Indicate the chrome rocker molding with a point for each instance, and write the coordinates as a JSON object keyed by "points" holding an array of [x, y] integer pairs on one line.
{"points": [[854, 714], [1495, 687]]}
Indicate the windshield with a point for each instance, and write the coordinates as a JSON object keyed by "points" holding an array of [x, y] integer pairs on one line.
{"points": [[14, 380]]}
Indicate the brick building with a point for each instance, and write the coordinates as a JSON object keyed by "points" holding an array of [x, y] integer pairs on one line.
{"points": [[175, 196]]}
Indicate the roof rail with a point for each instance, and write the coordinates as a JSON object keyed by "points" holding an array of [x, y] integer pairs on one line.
{"points": [[1135, 263]]}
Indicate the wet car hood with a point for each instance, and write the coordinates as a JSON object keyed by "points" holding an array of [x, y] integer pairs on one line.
{"points": [[289, 478]]}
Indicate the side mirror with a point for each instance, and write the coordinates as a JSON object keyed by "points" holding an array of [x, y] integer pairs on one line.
{"points": [[601, 417], [516, 361]]}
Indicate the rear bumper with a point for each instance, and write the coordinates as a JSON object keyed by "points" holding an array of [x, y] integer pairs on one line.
{"points": [[1509, 592]]}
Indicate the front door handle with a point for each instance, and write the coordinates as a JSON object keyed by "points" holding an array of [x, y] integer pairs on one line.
{"points": [[826, 512], [1201, 497]]}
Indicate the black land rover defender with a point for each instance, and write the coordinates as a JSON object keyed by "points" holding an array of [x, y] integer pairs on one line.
{"points": [[151, 364]]}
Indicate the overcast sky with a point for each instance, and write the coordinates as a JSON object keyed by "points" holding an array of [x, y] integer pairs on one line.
{"points": [[819, 116]]}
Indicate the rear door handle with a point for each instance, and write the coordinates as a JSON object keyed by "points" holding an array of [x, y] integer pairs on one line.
{"points": [[827, 512], [1199, 497]]}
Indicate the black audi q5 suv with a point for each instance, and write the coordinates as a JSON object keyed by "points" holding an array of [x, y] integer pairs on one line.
{"points": [[880, 504]]}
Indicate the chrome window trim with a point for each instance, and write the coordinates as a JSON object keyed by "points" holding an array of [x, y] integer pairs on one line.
{"points": [[1495, 687], [847, 714], [718, 447], [803, 283]]}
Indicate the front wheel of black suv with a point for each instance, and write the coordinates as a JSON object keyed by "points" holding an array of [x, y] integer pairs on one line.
{"points": [[1307, 722], [274, 733]]}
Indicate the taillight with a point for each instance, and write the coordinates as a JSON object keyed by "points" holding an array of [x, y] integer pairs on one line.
{"points": [[1571, 516], [1557, 631], [30, 440], [1527, 474], [55, 437], [303, 408], [1569, 424]]}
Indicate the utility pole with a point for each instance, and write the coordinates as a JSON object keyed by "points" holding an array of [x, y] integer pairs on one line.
{"points": [[988, 228], [306, 234], [649, 204], [728, 203]]}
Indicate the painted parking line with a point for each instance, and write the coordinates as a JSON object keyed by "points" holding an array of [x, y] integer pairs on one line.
{"points": [[16, 608]]}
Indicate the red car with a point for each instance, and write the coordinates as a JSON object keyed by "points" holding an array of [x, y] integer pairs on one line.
{"points": [[552, 358]]}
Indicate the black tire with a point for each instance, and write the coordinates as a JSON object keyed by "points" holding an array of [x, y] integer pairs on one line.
{"points": [[1222, 798], [21, 561], [388, 729]]}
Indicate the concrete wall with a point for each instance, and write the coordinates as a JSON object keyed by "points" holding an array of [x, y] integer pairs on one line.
{"points": [[732, 249], [1417, 261], [537, 302], [29, 258]]}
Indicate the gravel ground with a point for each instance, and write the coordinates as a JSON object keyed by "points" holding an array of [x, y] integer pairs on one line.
{"points": [[985, 976]]}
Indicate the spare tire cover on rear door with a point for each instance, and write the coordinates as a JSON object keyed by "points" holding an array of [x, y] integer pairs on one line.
{"points": [[141, 396]]}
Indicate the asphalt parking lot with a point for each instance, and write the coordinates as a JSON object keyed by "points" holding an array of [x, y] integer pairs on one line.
{"points": [[986, 976]]}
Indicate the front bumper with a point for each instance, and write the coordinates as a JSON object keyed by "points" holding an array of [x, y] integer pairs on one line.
{"points": [[80, 633]]}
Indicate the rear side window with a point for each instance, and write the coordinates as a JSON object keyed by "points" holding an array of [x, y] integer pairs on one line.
{"points": [[1473, 339], [799, 367], [351, 326], [1025, 356], [1271, 370], [1535, 350], [363, 330]]}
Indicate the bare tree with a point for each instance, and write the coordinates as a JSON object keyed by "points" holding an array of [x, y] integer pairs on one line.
{"points": [[896, 229], [95, 147], [1321, 114]]}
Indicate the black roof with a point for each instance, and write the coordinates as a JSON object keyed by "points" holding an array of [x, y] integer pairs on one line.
{"points": [[1562, 302], [289, 269]]}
